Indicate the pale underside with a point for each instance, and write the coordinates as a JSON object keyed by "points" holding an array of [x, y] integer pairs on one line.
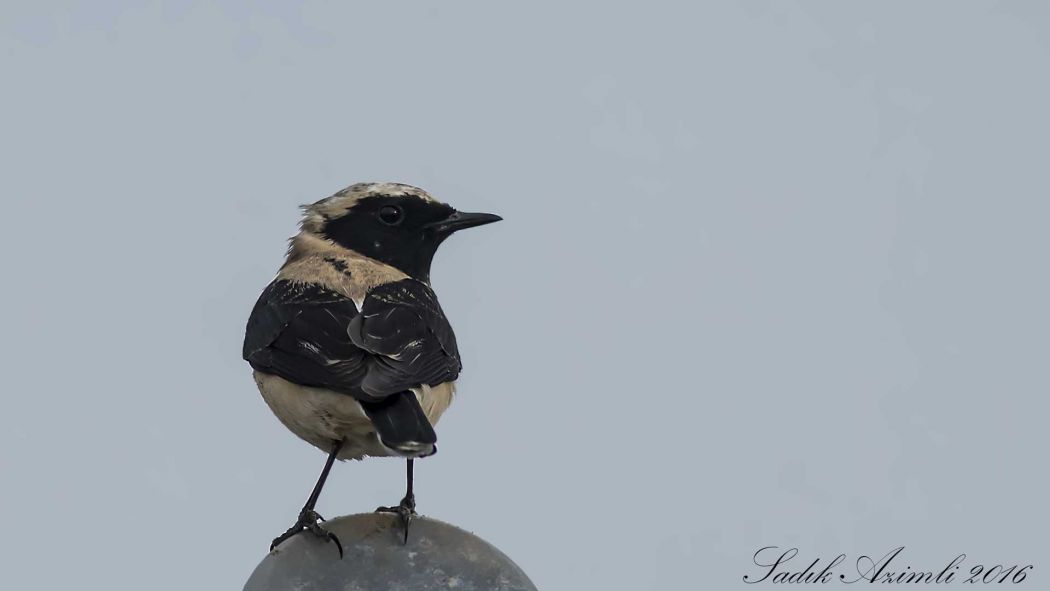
{"points": [[320, 416]]}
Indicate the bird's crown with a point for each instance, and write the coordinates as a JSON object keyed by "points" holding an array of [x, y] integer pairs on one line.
{"points": [[317, 214]]}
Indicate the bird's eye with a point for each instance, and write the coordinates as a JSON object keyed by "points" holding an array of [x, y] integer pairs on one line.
{"points": [[391, 215]]}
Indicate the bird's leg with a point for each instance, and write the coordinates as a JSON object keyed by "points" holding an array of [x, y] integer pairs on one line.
{"points": [[407, 508], [309, 520]]}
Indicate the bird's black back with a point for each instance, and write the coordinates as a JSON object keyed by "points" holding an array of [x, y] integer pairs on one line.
{"points": [[313, 336]]}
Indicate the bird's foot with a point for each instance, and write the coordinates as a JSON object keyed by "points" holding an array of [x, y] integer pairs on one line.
{"points": [[309, 520], [406, 510]]}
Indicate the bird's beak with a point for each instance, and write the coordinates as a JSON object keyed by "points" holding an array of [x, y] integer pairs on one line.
{"points": [[461, 221]]}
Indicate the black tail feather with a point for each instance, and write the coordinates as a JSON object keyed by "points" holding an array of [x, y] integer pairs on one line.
{"points": [[401, 422]]}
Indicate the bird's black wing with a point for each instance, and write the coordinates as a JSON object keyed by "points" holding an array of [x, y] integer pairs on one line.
{"points": [[315, 337], [298, 331], [410, 339]]}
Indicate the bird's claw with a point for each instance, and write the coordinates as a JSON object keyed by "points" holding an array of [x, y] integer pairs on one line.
{"points": [[309, 520], [406, 510]]}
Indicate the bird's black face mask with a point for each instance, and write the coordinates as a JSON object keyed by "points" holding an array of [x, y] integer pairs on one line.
{"points": [[401, 231]]}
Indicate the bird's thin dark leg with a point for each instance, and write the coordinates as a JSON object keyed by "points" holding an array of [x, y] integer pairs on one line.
{"points": [[310, 520], [410, 499], [407, 508]]}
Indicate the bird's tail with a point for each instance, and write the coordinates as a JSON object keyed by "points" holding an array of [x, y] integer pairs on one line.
{"points": [[402, 425]]}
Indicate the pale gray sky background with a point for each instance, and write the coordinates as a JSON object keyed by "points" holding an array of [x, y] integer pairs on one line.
{"points": [[772, 273]]}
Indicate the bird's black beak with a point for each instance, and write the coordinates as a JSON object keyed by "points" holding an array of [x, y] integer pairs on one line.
{"points": [[461, 221]]}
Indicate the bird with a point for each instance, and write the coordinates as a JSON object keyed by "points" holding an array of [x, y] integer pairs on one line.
{"points": [[348, 344]]}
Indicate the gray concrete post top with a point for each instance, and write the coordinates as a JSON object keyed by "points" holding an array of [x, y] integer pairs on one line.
{"points": [[437, 556]]}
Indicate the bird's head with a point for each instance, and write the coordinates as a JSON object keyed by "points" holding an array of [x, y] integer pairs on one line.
{"points": [[396, 224]]}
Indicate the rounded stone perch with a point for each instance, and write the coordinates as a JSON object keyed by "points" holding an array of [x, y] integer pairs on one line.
{"points": [[437, 556]]}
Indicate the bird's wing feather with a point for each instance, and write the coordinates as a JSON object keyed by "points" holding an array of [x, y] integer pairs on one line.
{"points": [[403, 325], [298, 331], [315, 337]]}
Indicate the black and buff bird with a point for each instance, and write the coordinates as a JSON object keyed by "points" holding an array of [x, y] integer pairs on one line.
{"points": [[349, 346]]}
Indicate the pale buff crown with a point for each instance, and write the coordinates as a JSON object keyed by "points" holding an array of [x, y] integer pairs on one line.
{"points": [[316, 214]]}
